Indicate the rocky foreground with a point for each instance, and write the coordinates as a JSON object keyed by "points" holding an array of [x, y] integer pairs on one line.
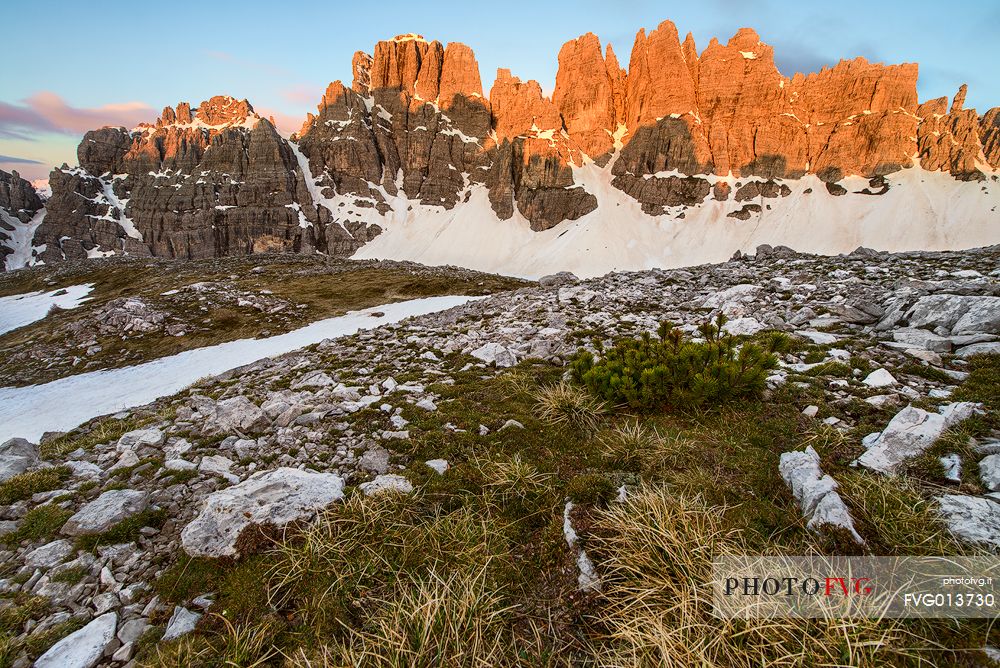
{"points": [[93, 519]]}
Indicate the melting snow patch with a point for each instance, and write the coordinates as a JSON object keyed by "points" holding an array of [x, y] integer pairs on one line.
{"points": [[588, 578], [20, 310], [27, 411]]}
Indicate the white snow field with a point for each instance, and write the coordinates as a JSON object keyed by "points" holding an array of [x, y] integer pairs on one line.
{"points": [[923, 210], [28, 412], [24, 309], [19, 242]]}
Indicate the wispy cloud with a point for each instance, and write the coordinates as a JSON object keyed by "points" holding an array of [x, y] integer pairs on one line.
{"points": [[12, 160], [47, 112], [302, 94]]}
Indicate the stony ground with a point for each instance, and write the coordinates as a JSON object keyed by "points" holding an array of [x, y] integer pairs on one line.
{"points": [[142, 309], [426, 441]]}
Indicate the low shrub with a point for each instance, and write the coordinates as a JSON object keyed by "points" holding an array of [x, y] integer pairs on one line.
{"points": [[648, 373]]}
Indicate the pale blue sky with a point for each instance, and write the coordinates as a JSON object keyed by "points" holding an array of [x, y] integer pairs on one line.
{"points": [[72, 65]]}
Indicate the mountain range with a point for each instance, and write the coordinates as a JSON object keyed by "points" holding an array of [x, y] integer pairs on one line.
{"points": [[683, 157]]}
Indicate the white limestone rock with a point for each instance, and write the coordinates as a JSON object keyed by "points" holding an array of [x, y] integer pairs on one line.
{"points": [[880, 378], [815, 491], [82, 648], [973, 518], [439, 465], [743, 326], [494, 353], [138, 438], [49, 555], [909, 433], [989, 472], [16, 456], [275, 498], [182, 622]]}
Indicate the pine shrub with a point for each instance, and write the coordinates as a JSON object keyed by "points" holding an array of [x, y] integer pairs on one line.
{"points": [[670, 371]]}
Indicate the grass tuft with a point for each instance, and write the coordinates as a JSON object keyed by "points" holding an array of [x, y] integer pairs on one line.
{"points": [[567, 405]]}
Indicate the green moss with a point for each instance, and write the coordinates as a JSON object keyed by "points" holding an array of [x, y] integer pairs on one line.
{"points": [[125, 531], [70, 575], [926, 371], [590, 488]]}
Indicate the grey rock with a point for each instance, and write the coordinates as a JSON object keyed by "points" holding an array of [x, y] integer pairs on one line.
{"points": [[909, 433], [391, 483], [49, 555], [273, 498], [106, 511], [182, 622], [16, 456], [375, 460], [816, 492], [973, 518], [989, 472], [82, 648], [139, 438], [236, 414]]}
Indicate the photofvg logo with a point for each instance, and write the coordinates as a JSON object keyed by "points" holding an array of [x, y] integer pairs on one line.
{"points": [[793, 586], [873, 587]]}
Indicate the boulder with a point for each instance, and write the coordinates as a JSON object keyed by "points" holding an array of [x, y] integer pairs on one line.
{"points": [[959, 314], [106, 511], [236, 414], [494, 353], [909, 433], [49, 555], [557, 280], [134, 440], [880, 378], [989, 472], [743, 326], [83, 648], [16, 456], [273, 498]]}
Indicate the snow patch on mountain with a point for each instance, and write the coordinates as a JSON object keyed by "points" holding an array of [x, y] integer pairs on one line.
{"points": [[922, 210]]}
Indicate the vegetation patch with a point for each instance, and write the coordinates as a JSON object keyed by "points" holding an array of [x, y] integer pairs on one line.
{"points": [[647, 373], [25, 485]]}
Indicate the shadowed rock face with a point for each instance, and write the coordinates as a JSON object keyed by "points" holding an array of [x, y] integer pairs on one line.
{"points": [[415, 127], [19, 203], [205, 182]]}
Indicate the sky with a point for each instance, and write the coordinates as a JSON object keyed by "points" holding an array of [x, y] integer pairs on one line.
{"points": [[72, 66]]}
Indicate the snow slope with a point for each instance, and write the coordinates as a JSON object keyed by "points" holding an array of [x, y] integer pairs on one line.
{"points": [[922, 211], [20, 241], [28, 412], [20, 310]]}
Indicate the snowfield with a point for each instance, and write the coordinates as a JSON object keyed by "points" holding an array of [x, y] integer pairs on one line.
{"points": [[922, 210], [20, 310], [27, 412]]}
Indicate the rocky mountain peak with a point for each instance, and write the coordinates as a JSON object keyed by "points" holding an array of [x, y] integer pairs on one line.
{"points": [[677, 135]]}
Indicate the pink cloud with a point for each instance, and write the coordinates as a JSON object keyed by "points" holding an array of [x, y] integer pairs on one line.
{"points": [[46, 111], [286, 124], [303, 94]]}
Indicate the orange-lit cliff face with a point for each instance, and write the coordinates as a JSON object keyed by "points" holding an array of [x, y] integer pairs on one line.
{"points": [[672, 114], [675, 131]]}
